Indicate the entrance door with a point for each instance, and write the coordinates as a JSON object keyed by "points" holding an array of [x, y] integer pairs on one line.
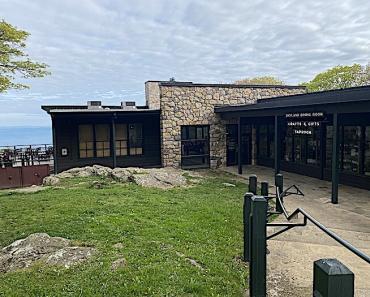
{"points": [[246, 144], [232, 144]]}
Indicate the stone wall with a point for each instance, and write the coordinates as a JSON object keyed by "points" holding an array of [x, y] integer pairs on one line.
{"points": [[194, 105], [152, 94]]}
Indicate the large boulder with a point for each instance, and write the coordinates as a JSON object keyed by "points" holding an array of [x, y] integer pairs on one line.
{"points": [[23, 253], [157, 177]]}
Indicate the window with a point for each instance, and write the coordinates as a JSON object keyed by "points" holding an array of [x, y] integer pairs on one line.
{"points": [[129, 139], [136, 139], [288, 156], [313, 147], [102, 140], [263, 141], [351, 148], [367, 151], [195, 146], [266, 141], [121, 140], [95, 140], [302, 148], [86, 141]]}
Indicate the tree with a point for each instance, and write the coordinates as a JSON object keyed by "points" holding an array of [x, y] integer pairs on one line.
{"points": [[14, 62], [260, 80], [340, 77]]}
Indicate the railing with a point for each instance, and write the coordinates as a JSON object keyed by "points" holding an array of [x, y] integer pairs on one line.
{"points": [[255, 220], [26, 155], [308, 217]]}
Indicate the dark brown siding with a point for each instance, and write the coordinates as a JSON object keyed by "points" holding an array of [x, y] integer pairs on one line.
{"points": [[66, 136]]}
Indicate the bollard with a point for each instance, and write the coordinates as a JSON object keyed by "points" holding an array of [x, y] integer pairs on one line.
{"points": [[264, 188], [279, 182], [331, 278], [253, 184], [257, 247], [246, 214]]}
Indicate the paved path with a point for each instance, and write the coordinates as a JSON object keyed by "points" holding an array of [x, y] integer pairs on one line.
{"points": [[290, 262]]}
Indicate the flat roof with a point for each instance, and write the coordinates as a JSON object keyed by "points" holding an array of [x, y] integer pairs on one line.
{"points": [[102, 109], [355, 94], [214, 85]]}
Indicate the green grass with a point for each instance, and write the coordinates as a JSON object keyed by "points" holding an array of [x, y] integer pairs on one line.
{"points": [[203, 222]]}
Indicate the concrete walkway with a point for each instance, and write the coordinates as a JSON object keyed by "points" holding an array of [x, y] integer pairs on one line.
{"points": [[290, 262]]}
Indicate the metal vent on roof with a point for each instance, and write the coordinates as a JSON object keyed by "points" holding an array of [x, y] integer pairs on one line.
{"points": [[128, 105], [93, 104]]}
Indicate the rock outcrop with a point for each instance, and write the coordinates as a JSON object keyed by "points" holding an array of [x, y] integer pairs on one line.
{"points": [[163, 178], [42, 247]]}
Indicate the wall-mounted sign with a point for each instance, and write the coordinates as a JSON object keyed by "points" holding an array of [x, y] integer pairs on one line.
{"points": [[295, 115], [303, 123]]}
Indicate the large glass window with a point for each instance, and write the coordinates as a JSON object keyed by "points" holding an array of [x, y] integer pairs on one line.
{"points": [[263, 141], [367, 151], [86, 141], [102, 140], [129, 139], [135, 133], [288, 154], [266, 135], [351, 148], [95, 140], [313, 148], [302, 148], [195, 146], [121, 140]]}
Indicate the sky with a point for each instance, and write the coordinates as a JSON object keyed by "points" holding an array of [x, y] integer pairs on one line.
{"points": [[106, 50]]}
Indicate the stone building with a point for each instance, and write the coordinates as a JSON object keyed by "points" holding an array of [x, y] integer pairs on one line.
{"points": [[189, 125], [191, 104]]}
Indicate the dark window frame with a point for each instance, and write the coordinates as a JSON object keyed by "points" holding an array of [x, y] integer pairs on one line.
{"points": [[185, 138], [93, 125]]}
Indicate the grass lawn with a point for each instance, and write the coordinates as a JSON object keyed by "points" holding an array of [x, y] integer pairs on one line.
{"points": [[203, 222]]}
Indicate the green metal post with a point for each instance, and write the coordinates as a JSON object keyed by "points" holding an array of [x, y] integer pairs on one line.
{"points": [[246, 214], [331, 278], [264, 188], [257, 265], [279, 182], [253, 184]]}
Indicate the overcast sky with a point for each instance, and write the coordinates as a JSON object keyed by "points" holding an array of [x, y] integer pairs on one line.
{"points": [[106, 50]]}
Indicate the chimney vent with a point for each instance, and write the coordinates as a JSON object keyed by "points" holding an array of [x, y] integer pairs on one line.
{"points": [[93, 104], [128, 105]]}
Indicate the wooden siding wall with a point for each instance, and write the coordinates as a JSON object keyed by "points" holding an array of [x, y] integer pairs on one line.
{"points": [[66, 134]]}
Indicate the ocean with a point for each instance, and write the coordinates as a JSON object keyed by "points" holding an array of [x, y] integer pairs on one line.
{"points": [[25, 135]]}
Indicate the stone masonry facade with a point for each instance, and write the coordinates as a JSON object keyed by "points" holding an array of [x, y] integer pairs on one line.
{"points": [[193, 104]]}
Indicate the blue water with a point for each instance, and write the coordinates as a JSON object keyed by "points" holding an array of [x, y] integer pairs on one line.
{"points": [[25, 135]]}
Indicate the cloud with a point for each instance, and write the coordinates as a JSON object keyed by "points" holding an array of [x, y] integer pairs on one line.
{"points": [[103, 49]]}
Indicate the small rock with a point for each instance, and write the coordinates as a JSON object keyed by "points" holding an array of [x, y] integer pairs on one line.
{"points": [[119, 263], [51, 180], [118, 246], [194, 263], [228, 185]]}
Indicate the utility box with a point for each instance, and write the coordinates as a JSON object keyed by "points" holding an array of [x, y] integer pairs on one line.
{"points": [[331, 278]]}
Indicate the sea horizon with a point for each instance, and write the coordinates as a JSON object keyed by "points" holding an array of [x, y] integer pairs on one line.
{"points": [[23, 135]]}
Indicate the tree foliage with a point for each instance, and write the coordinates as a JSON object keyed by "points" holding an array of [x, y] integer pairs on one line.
{"points": [[14, 62], [340, 77], [260, 80]]}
